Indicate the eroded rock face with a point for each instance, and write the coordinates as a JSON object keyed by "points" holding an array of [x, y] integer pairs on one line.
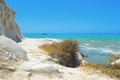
{"points": [[8, 26]]}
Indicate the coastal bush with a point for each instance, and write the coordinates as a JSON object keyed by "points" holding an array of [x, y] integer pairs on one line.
{"points": [[65, 52], [110, 70]]}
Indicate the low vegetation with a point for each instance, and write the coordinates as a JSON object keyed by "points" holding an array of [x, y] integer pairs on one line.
{"points": [[65, 52], [110, 70]]}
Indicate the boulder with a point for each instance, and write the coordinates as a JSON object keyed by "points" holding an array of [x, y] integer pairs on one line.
{"points": [[10, 50]]}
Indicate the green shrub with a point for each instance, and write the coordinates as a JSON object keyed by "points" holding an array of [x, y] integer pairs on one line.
{"points": [[65, 52]]}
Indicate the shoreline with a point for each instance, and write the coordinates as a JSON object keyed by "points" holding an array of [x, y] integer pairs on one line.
{"points": [[90, 58], [39, 56], [40, 66]]}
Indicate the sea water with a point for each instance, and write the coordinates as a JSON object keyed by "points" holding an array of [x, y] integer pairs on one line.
{"points": [[95, 46]]}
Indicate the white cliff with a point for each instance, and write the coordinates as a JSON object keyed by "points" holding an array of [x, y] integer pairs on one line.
{"points": [[8, 26], [10, 52], [9, 31]]}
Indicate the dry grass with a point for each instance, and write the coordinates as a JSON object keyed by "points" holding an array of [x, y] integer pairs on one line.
{"points": [[110, 70], [65, 52]]}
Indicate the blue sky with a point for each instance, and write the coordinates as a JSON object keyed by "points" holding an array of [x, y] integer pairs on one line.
{"points": [[67, 16]]}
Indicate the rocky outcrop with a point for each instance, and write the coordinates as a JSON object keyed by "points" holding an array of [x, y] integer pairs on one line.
{"points": [[117, 62], [8, 26], [10, 54], [9, 31], [10, 50], [115, 58]]}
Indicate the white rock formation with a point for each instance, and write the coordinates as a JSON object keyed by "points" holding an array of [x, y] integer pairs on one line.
{"points": [[117, 62], [10, 54], [10, 50], [116, 58], [8, 26]]}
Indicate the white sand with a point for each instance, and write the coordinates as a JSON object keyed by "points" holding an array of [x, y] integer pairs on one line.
{"points": [[41, 67]]}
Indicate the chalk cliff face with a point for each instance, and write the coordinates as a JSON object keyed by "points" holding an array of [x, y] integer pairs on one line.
{"points": [[8, 26]]}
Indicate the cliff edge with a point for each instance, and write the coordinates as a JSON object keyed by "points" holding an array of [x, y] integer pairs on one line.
{"points": [[8, 26]]}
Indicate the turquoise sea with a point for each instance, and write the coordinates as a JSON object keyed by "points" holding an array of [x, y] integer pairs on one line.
{"points": [[95, 46]]}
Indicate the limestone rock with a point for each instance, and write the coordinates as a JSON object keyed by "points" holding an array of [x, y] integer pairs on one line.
{"points": [[117, 62], [8, 26], [116, 58], [10, 50], [24, 75]]}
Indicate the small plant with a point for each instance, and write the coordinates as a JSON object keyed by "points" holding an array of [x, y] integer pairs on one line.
{"points": [[65, 52]]}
